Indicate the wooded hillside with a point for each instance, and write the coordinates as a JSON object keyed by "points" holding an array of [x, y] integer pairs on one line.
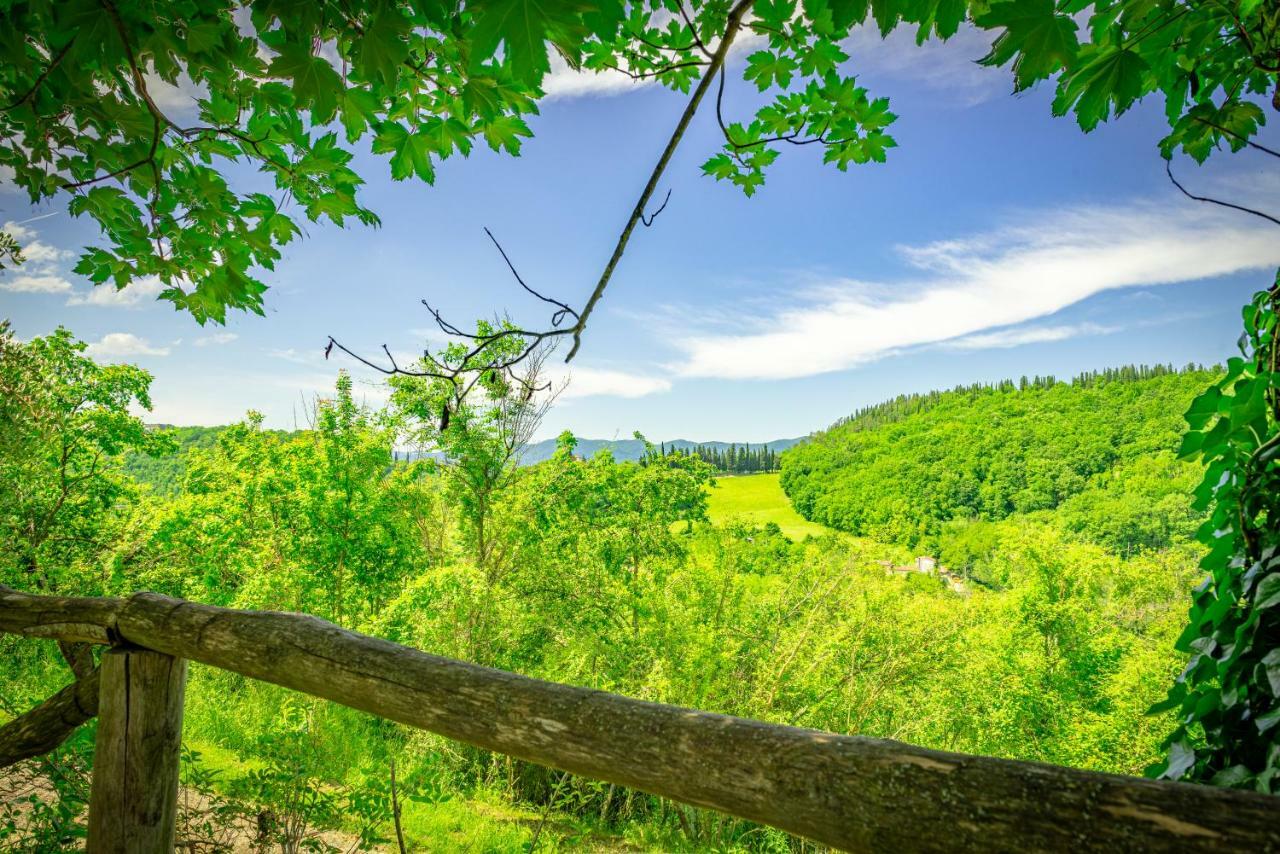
{"points": [[1099, 451]]}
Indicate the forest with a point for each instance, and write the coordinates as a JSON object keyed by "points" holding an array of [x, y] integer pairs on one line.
{"points": [[1111, 544], [600, 573], [1097, 455]]}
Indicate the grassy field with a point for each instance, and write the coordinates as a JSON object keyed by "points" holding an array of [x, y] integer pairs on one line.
{"points": [[759, 498]]}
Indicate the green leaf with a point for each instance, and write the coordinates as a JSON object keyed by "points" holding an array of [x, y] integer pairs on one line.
{"points": [[523, 28], [1204, 407], [766, 67], [504, 133], [1268, 593], [410, 152], [822, 58], [359, 111], [382, 47], [1271, 664], [315, 84], [1038, 39], [1109, 80]]}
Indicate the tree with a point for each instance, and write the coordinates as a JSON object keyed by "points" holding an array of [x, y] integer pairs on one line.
{"points": [[479, 422], [64, 425], [421, 80]]}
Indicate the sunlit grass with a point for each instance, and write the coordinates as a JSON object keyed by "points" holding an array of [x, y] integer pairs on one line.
{"points": [[758, 498]]}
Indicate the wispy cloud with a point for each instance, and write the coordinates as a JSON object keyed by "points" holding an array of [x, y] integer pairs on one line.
{"points": [[122, 345], [980, 282], [215, 339], [1005, 338], [951, 65], [566, 82], [26, 283], [109, 296], [298, 357], [597, 382]]}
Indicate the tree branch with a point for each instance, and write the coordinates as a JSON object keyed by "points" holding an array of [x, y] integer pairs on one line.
{"points": [[53, 63], [732, 26], [1169, 171]]}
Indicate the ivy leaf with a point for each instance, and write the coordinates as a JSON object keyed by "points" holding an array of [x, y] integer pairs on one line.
{"points": [[1268, 592], [1038, 39], [1204, 407], [1271, 664], [1181, 758]]}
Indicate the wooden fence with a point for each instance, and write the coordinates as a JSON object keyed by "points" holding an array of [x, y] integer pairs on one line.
{"points": [[849, 792]]}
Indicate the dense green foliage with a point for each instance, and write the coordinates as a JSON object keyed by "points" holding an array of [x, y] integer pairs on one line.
{"points": [[594, 572], [1098, 451], [1228, 696], [163, 471]]}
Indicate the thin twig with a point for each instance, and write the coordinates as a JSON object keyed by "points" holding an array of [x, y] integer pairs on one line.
{"points": [[1169, 171], [648, 220], [563, 308]]}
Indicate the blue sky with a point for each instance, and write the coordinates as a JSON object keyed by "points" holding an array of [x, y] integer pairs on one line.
{"points": [[997, 241]]}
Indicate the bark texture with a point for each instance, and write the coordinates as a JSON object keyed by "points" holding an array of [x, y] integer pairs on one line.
{"points": [[42, 729], [133, 801], [850, 792]]}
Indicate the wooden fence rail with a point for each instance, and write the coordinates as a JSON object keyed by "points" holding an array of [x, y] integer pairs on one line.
{"points": [[850, 792]]}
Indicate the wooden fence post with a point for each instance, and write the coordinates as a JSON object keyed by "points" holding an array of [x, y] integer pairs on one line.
{"points": [[134, 797]]}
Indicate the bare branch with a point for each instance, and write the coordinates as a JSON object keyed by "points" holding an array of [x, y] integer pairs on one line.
{"points": [[1169, 171], [717, 62], [472, 360], [648, 220], [563, 308]]}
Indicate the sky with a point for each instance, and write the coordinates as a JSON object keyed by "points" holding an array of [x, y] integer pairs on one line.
{"points": [[996, 242]]}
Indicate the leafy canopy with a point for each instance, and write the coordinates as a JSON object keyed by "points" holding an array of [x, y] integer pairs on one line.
{"points": [[289, 89]]}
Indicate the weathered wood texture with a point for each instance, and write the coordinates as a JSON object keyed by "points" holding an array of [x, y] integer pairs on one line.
{"points": [[850, 792], [133, 801], [42, 729]]}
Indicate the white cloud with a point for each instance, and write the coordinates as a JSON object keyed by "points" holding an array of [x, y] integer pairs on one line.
{"points": [[298, 357], [26, 283], [950, 65], [41, 271], [596, 382], [1005, 338], [565, 82], [175, 99], [146, 288], [983, 282], [117, 345], [19, 230], [216, 339]]}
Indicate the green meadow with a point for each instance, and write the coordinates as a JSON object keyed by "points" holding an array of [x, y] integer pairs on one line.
{"points": [[758, 499]]}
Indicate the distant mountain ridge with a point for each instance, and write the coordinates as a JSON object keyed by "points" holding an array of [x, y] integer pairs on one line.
{"points": [[165, 472]]}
